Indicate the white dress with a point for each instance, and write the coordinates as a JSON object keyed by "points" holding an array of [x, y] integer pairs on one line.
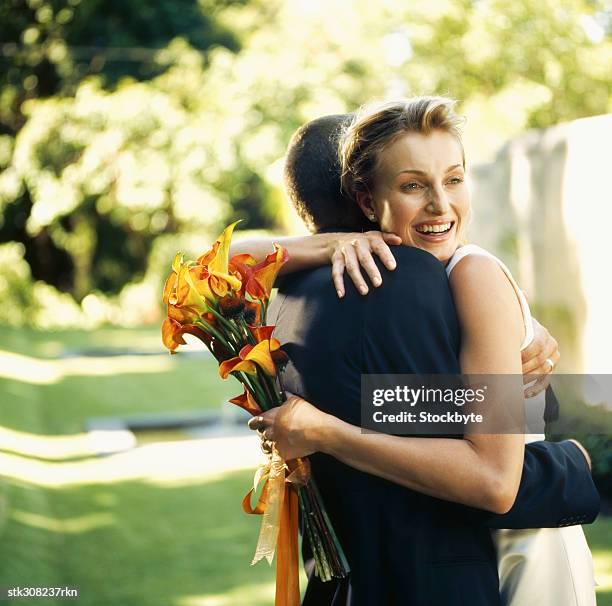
{"points": [[540, 566]]}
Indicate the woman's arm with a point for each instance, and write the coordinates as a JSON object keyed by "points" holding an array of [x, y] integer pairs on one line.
{"points": [[353, 252], [342, 250], [481, 471]]}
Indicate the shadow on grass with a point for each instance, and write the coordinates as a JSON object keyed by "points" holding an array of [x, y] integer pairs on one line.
{"points": [[162, 546], [63, 406], [135, 543]]}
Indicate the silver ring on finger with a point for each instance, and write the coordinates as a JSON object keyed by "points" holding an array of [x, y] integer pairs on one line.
{"points": [[550, 364]]}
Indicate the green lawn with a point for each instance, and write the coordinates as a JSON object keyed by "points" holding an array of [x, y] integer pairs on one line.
{"points": [[599, 536], [95, 386], [135, 540], [131, 542]]}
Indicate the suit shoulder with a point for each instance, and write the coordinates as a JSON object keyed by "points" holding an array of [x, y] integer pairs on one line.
{"points": [[415, 268]]}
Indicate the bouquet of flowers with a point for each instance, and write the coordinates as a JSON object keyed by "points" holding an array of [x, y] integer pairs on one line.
{"points": [[223, 302]]}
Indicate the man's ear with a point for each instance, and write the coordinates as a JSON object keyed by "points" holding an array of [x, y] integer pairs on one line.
{"points": [[364, 201]]}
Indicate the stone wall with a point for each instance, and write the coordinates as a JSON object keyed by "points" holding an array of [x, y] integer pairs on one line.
{"points": [[545, 207]]}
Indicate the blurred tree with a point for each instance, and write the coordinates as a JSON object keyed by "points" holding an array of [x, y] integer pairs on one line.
{"points": [[47, 48], [125, 122], [556, 55]]}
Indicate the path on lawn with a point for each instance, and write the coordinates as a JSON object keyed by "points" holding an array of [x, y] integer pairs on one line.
{"points": [[170, 463]]}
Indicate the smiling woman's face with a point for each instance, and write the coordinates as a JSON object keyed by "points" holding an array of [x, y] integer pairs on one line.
{"points": [[420, 192]]}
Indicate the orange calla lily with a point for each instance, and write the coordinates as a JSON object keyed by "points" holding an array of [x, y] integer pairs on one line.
{"points": [[266, 271], [242, 259], [258, 278], [261, 333], [169, 286], [247, 401], [216, 299], [187, 293], [183, 315], [250, 357], [252, 312], [243, 265], [185, 303], [216, 263], [173, 331]]}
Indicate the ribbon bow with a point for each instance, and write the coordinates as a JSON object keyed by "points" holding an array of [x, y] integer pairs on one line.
{"points": [[278, 503]]}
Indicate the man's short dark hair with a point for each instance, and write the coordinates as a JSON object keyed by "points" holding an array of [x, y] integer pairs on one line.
{"points": [[312, 176]]}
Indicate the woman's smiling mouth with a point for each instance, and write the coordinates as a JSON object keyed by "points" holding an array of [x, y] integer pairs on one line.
{"points": [[435, 231]]}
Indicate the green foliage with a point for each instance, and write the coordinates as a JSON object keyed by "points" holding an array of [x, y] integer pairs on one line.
{"points": [[51, 45], [591, 431], [15, 285], [123, 123]]}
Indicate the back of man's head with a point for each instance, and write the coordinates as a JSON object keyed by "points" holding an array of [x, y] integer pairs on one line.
{"points": [[312, 177]]}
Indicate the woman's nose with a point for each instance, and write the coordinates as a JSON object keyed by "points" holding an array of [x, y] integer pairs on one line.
{"points": [[438, 202]]}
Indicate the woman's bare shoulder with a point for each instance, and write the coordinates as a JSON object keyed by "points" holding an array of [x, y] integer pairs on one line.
{"points": [[484, 295]]}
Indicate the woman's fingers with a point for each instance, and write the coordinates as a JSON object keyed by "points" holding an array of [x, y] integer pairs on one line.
{"points": [[366, 260], [544, 346], [352, 268], [391, 238], [543, 364], [355, 253], [541, 383], [257, 423], [384, 253], [263, 428], [338, 267]]}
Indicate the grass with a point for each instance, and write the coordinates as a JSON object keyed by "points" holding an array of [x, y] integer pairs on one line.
{"points": [[134, 544], [599, 536], [131, 542], [139, 538], [68, 390]]}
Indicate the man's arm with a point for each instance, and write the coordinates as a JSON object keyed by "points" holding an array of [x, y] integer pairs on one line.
{"points": [[556, 489], [556, 483]]}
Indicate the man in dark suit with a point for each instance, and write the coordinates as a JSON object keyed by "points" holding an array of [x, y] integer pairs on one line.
{"points": [[404, 548]]}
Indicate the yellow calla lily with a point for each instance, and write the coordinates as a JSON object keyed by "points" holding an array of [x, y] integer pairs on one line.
{"points": [[187, 293], [219, 263], [216, 263], [266, 272], [250, 357]]}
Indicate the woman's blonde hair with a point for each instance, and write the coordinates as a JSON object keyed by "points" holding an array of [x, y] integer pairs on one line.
{"points": [[376, 126]]}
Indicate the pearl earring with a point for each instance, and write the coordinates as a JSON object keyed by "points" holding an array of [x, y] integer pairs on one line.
{"points": [[372, 217]]}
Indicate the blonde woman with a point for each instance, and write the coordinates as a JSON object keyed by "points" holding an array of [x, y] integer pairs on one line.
{"points": [[404, 166]]}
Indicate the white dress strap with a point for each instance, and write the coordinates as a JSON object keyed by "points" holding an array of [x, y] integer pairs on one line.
{"points": [[473, 249]]}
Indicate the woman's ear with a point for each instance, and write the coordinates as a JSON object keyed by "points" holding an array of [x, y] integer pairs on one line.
{"points": [[364, 201]]}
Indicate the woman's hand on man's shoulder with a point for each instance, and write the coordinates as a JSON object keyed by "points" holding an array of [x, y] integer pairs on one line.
{"points": [[353, 252]]}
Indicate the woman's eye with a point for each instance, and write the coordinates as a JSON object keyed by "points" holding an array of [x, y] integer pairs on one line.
{"points": [[412, 185], [455, 180]]}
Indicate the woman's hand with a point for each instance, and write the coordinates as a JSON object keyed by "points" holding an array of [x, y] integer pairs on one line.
{"points": [[294, 427], [353, 251], [539, 358]]}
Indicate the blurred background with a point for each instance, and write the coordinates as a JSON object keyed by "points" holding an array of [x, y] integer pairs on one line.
{"points": [[130, 130]]}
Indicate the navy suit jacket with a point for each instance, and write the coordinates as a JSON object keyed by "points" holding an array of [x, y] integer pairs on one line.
{"points": [[405, 548]]}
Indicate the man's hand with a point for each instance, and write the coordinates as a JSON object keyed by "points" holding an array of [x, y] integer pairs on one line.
{"points": [[352, 252], [539, 358]]}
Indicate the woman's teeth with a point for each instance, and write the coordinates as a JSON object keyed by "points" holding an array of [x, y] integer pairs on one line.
{"points": [[436, 229]]}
